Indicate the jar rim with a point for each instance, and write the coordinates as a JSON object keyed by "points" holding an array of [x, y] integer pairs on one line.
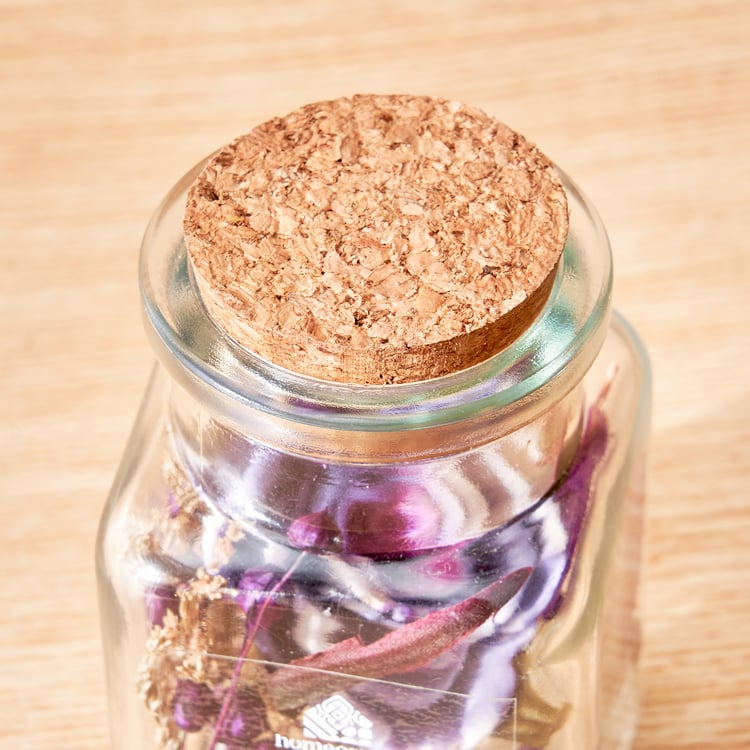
{"points": [[548, 358]]}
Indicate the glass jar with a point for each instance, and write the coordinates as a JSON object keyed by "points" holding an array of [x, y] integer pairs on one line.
{"points": [[285, 562]]}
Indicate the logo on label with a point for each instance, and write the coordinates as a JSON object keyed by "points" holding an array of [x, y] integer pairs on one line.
{"points": [[336, 720]]}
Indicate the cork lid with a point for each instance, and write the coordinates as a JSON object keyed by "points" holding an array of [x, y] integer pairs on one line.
{"points": [[376, 239]]}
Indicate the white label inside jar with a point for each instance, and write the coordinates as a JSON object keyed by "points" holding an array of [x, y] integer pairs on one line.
{"points": [[373, 714]]}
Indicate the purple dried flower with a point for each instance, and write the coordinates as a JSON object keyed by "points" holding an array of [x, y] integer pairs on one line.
{"points": [[315, 530], [159, 600], [445, 565], [252, 587], [401, 519], [193, 705], [245, 719], [232, 703], [173, 504]]}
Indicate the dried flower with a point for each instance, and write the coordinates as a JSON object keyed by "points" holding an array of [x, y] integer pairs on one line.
{"points": [[315, 530], [405, 649], [193, 705], [252, 587], [159, 600], [385, 531], [245, 719], [399, 519]]}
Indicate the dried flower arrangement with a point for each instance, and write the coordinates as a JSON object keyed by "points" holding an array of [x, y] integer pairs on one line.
{"points": [[211, 682]]}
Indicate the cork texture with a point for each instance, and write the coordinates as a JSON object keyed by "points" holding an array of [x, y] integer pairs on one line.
{"points": [[376, 239]]}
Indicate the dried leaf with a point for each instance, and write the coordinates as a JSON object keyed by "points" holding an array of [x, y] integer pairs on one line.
{"points": [[406, 649]]}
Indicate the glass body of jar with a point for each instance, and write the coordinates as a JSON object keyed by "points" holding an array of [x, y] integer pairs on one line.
{"points": [[286, 562]]}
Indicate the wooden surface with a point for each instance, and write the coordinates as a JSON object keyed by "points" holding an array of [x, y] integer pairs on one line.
{"points": [[103, 105]]}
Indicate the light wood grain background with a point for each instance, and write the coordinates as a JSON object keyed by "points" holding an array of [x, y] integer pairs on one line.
{"points": [[103, 105]]}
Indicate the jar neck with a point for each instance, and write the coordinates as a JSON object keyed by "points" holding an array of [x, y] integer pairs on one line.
{"points": [[434, 501]]}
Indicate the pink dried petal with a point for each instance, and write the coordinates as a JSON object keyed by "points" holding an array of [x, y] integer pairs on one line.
{"points": [[315, 530], [402, 518]]}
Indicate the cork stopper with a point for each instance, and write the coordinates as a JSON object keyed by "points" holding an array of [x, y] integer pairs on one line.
{"points": [[376, 239]]}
